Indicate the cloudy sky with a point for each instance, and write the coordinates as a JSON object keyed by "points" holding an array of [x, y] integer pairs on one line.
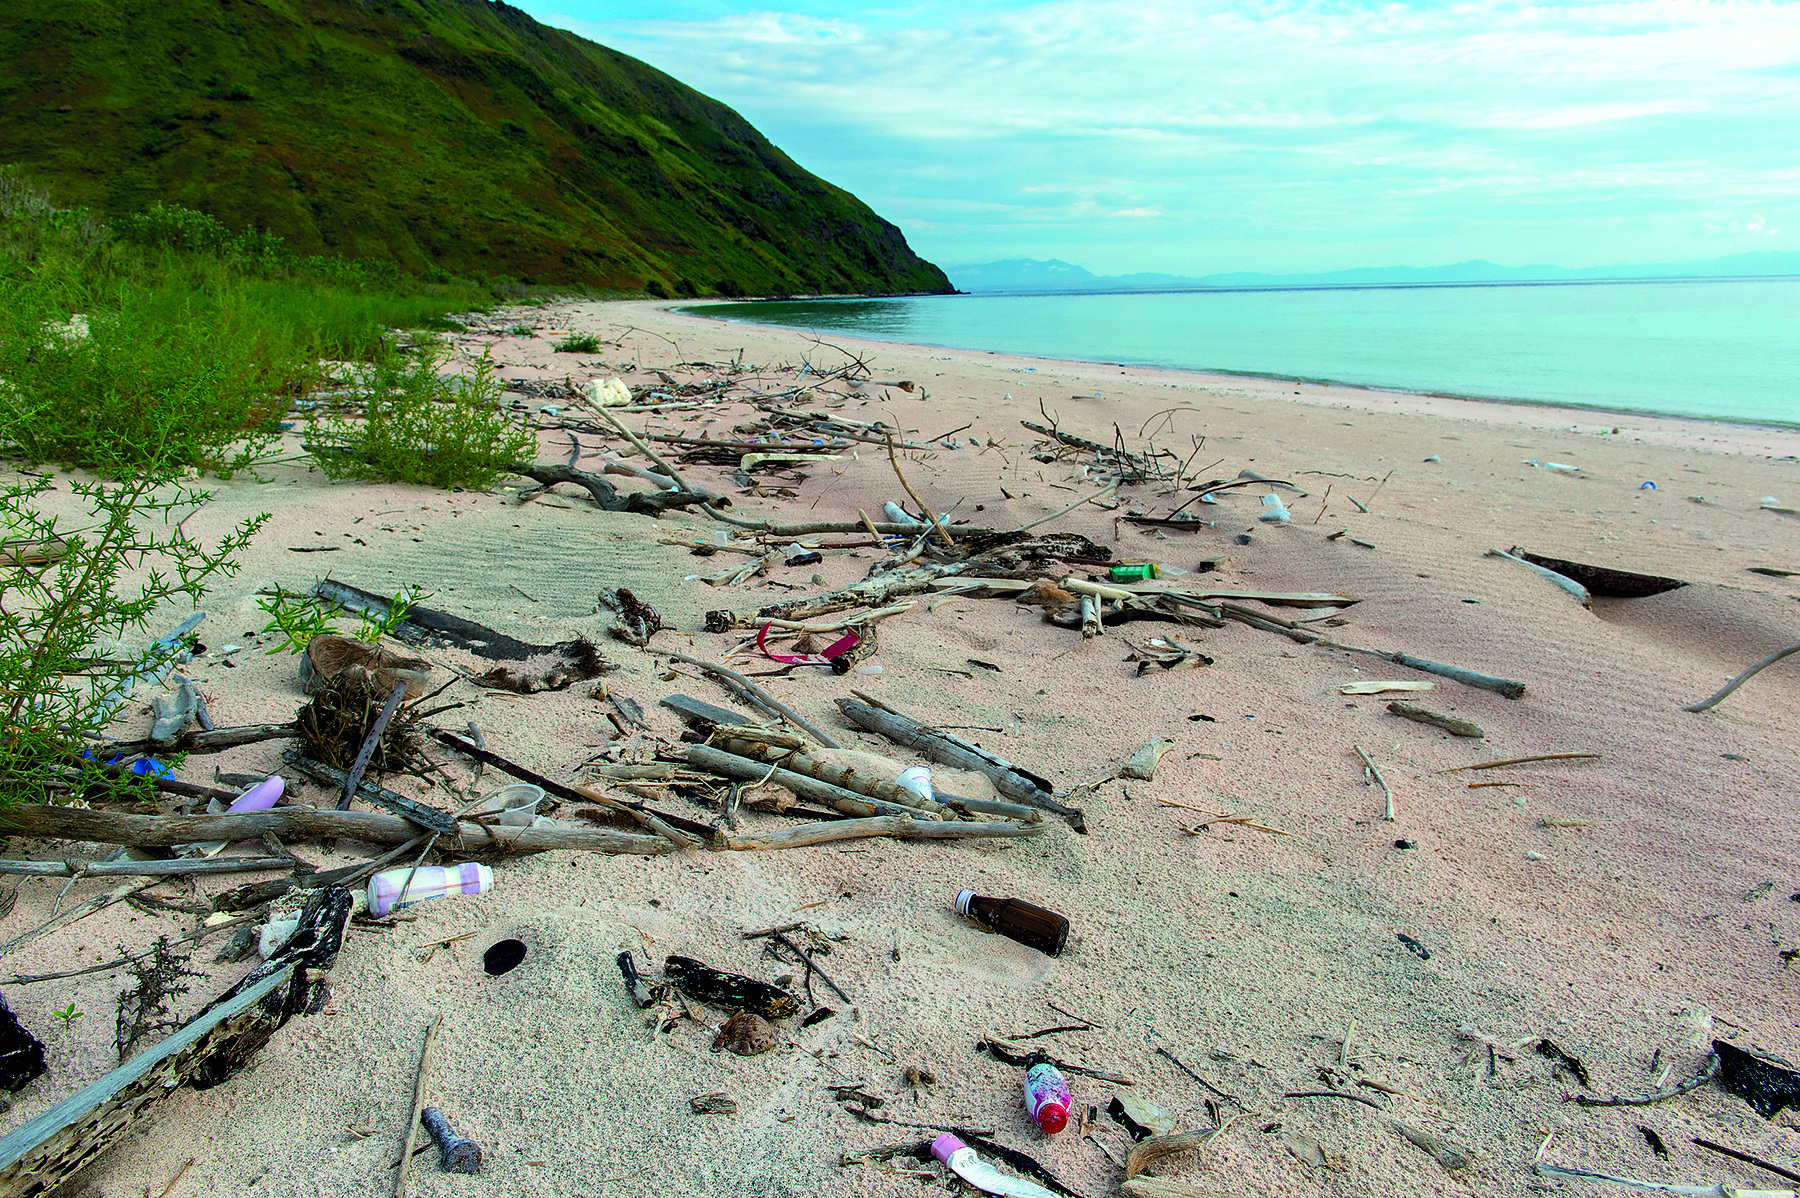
{"points": [[1198, 136]]}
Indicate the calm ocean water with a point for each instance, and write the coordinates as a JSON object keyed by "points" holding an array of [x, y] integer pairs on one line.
{"points": [[1715, 349]]}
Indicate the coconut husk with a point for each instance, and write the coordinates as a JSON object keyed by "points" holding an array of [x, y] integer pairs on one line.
{"points": [[330, 656]]}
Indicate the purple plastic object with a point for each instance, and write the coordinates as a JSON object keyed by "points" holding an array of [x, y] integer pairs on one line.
{"points": [[261, 797], [944, 1146]]}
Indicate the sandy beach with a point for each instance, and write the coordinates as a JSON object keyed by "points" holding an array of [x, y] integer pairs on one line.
{"points": [[1628, 907]]}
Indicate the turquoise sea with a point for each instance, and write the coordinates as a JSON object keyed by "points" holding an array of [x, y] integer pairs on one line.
{"points": [[1718, 349]]}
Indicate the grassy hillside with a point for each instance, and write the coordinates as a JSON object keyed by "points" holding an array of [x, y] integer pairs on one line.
{"points": [[451, 134]]}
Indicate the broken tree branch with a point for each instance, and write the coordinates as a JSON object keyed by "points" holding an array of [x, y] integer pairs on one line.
{"points": [[1765, 663]]}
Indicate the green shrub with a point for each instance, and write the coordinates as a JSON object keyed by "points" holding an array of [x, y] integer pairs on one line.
{"points": [[163, 374], [419, 426], [59, 620], [578, 343]]}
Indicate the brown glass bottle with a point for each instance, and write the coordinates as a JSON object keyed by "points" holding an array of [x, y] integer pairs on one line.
{"points": [[1025, 922]]}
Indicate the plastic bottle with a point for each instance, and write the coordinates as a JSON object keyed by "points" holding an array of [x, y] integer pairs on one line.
{"points": [[1047, 1098], [1025, 922], [963, 1162], [917, 779], [428, 882]]}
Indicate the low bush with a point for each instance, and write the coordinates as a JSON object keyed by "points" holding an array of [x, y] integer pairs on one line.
{"points": [[68, 602], [578, 343], [419, 426]]}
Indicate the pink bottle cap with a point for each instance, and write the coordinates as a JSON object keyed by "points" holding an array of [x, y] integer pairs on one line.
{"points": [[945, 1146]]}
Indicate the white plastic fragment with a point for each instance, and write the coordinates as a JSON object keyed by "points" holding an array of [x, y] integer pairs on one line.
{"points": [[611, 393]]}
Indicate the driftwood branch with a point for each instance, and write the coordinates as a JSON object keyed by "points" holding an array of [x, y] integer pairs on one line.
{"points": [[901, 826], [849, 802], [755, 694], [198, 741], [38, 1154], [871, 592], [159, 869], [1576, 591], [1008, 779], [1765, 663], [1502, 686], [605, 495], [105, 827]]}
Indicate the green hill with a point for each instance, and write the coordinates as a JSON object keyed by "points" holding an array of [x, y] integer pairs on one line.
{"points": [[454, 134]]}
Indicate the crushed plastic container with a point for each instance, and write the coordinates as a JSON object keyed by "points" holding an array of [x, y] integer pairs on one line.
{"points": [[429, 882]]}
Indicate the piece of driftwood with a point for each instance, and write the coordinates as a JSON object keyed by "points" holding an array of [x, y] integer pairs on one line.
{"points": [[1371, 773], [418, 1107], [1494, 765], [931, 518], [423, 626], [1138, 466], [1765, 663], [69, 915], [1156, 1187], [903, 827], [756, 695], [1716, 1190], [423, 814], [574, 794], [1576, 591], [1437, 719], [694, 711], [159, 869], [107, 827], [1708, 1071], [1602, 580], [40, 1154], [369, 745], [605, 495], [1102, 493], [1747, 1158], [1008, 779], [844, 777], [36, 1156], [731, 765], [729, 991], [879, 591], [202, 741], [1768, 1088]]}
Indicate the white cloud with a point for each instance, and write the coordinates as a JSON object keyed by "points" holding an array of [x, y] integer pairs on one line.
{"points": [[1511, 129]]}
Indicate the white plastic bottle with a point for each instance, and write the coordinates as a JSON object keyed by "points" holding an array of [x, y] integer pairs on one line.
{"points": [[428, 882]]}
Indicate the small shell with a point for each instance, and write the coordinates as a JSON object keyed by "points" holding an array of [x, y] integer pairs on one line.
{"points": [[746, 1035]]}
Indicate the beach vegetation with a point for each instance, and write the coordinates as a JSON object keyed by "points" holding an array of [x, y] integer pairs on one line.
{"points": [[298, 618], [578, 343], [76, 602], [418, 425]]}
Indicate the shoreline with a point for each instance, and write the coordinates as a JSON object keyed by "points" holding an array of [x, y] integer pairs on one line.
{"points": [[1772, 439]]}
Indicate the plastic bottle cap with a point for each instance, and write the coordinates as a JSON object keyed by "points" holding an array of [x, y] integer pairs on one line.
{"points": [[1053, 1119], [963, 898], [946, 1146]]}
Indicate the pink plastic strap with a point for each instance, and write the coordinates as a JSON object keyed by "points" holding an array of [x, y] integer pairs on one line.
{"points": [[834, 650]]}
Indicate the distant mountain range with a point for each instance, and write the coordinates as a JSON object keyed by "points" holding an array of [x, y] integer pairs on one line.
{"points": [[1026, 274]]}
